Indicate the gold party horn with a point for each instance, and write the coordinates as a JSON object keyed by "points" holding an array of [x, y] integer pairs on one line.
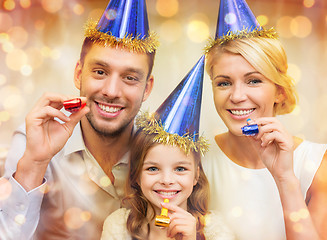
{"points": [[163, 220]]}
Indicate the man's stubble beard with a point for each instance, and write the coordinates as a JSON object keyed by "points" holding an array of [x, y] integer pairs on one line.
{"points": [[104, 132]]}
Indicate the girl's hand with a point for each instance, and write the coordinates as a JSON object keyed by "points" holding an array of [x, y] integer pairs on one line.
{"points": [[277, 147], [182, 224]]}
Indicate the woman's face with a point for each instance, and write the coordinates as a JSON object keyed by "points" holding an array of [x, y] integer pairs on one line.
{"points": [[168, 173], [241, 92]]}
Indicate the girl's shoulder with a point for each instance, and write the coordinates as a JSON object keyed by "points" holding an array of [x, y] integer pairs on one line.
{"points": [[114, 226], [216, 227]]}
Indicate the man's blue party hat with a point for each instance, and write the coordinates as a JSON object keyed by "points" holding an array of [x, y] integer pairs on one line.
{"points": [[176, 121], [124, 23], [235, 21]]}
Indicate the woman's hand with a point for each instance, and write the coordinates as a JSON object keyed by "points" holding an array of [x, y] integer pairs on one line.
{"points": [[182, 224], [277, 147]]}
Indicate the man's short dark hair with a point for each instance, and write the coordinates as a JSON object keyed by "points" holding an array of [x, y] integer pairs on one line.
{"points": [[88, 43]]}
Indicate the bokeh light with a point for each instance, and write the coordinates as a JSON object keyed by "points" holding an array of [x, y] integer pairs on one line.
{"points": [[110, 14], [52, 6], [295, 72], [35, 57], [301, 26], [3, 79], [8, 47], [9, 5], [86, 216], [18, 36], [237, 212], [95, 14], [16, 59], [5, 189], [74, 218], [6, 22], [308, 3], [167, 8], [170, 30], [105, 181], [230, 18], [78, 9], [198, 31], [262, 20], [4, 116], [283, 27], [39, 25], [25, 3], [20, 219], [26, 70]]}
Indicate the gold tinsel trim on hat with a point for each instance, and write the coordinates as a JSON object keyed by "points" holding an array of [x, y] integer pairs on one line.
{"points": [[134, 44], [150, 125], [257, 32]]}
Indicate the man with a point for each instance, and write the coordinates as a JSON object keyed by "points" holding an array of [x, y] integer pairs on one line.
{"points": [[71, 174]]}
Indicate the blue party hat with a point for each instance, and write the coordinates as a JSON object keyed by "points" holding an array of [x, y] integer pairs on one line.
{"points": [[235, 21], [124, 23], [176, 121]]}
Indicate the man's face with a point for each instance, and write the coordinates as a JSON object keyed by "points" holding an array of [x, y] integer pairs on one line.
{"points": [[115, 84]]}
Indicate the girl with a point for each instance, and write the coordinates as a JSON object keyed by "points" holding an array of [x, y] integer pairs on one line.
{"points": [[166, 164]]}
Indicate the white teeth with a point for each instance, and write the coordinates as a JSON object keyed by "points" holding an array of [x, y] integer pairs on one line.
{"points": [[108, 109], [167, 193], [241, 112]]}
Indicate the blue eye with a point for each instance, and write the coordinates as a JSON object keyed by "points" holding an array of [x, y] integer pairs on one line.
{"points": [[255, 81], [223, 84], [152, 169], [180, 169]]}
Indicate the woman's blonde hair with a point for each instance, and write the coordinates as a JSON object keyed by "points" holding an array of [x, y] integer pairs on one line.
{"points": [[269, 58], [197, 203]]}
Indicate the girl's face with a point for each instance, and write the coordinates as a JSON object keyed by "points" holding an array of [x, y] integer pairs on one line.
{"points": [[168, 173], [241, 92]]}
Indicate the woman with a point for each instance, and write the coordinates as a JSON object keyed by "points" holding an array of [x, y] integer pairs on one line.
{"points": [[271, 185]]}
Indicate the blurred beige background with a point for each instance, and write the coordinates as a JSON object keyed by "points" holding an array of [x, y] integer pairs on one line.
{"points": [[40, 42]]}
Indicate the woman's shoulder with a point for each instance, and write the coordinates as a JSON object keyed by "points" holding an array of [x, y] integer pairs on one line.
{"points": [[216, 227]]}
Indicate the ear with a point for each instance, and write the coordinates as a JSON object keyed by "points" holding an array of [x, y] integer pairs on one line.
{"points": [[280, 95], [197, 175], [148, 87], [77, 75]]}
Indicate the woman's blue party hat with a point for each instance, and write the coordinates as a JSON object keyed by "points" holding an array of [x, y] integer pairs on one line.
{"points": [[176, 121], [235, 21], [124, 23]]}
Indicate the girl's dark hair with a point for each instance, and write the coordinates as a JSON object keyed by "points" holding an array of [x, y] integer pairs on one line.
{"points": [[197, 203]]}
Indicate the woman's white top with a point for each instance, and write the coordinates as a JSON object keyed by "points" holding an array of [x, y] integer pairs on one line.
{"points": [[249, 198]]}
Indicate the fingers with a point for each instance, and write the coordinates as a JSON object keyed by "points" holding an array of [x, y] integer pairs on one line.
{"points": [[49, 105], [272, 131], [181, 222]]}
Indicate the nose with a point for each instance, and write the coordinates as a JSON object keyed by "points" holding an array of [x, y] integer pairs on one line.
{"points": [[112, 87], [238, 93], [167, 178]]}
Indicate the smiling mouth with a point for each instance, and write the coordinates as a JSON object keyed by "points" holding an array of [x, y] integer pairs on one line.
{"points": [[108, 109], [168, 194], [241, 112]]}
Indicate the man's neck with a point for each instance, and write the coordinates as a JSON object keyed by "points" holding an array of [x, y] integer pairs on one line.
{"points": [[107, 150]]}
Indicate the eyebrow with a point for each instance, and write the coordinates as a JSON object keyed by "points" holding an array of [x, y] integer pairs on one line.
{"points": [[245, 75], [250, 73], [177, 163], [127, 69]]}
